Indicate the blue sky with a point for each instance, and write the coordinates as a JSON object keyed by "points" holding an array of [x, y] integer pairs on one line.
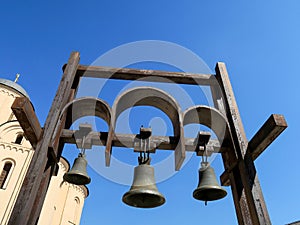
{"points": [[258, 41]]}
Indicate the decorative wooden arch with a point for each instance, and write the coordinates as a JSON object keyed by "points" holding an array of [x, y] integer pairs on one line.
{"points": [[86, 106], [210, 117], [149, 96]]}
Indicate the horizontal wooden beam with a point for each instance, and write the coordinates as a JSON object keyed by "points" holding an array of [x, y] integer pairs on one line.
{"points": [[146, 75], [24, 112], [268, 132], [128, 140]]}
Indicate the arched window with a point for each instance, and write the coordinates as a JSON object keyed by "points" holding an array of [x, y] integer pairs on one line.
{"points": [[5, 174], [76, 211], [19, 139]]}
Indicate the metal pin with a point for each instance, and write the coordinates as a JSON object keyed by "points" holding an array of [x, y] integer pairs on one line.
{"points": [[17, 77]]}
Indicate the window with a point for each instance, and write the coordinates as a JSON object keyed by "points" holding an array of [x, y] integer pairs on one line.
{"points": [[19, 139], [76, 209], [5, 174]]}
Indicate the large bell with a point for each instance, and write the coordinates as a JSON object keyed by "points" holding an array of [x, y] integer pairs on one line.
{"points": [[78, 175], [143, 192], [208, 188]]}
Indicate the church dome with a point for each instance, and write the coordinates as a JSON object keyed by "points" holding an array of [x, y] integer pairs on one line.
{"points": [[14, 86]]}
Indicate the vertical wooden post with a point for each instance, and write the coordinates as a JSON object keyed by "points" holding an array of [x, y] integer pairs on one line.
{"points": [[229, 157], [33, 190], [54, 152], [248, 198]]}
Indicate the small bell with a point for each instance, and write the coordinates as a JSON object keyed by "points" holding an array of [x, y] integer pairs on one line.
{"points": [[78, 175], [143, 192], [208, 188]]}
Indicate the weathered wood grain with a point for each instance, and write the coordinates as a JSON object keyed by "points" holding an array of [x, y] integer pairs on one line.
{"points": [[27, 209], [248, 198], [146, 75]]}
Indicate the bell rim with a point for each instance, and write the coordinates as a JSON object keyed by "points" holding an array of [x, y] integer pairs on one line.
{"points": [[131, 193], [68, 178], [222, 193]]}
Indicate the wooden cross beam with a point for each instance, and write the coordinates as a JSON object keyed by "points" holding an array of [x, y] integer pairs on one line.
{"points": [[24, 112], [269, 131]]}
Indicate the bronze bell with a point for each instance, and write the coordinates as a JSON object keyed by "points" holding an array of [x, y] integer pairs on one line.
{"points": [[78, 175], [143, 192], [208, 188]]}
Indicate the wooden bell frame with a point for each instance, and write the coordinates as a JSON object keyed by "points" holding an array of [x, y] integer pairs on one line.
{"points": [[237, 152]]}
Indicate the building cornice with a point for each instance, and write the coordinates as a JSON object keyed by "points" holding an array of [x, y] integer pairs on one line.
{"points": [[82, 189], [15, 147]]}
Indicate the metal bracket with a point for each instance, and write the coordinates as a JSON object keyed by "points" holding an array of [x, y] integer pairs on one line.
{"points": [[201, 142], [143, 142], [83, 132]]}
